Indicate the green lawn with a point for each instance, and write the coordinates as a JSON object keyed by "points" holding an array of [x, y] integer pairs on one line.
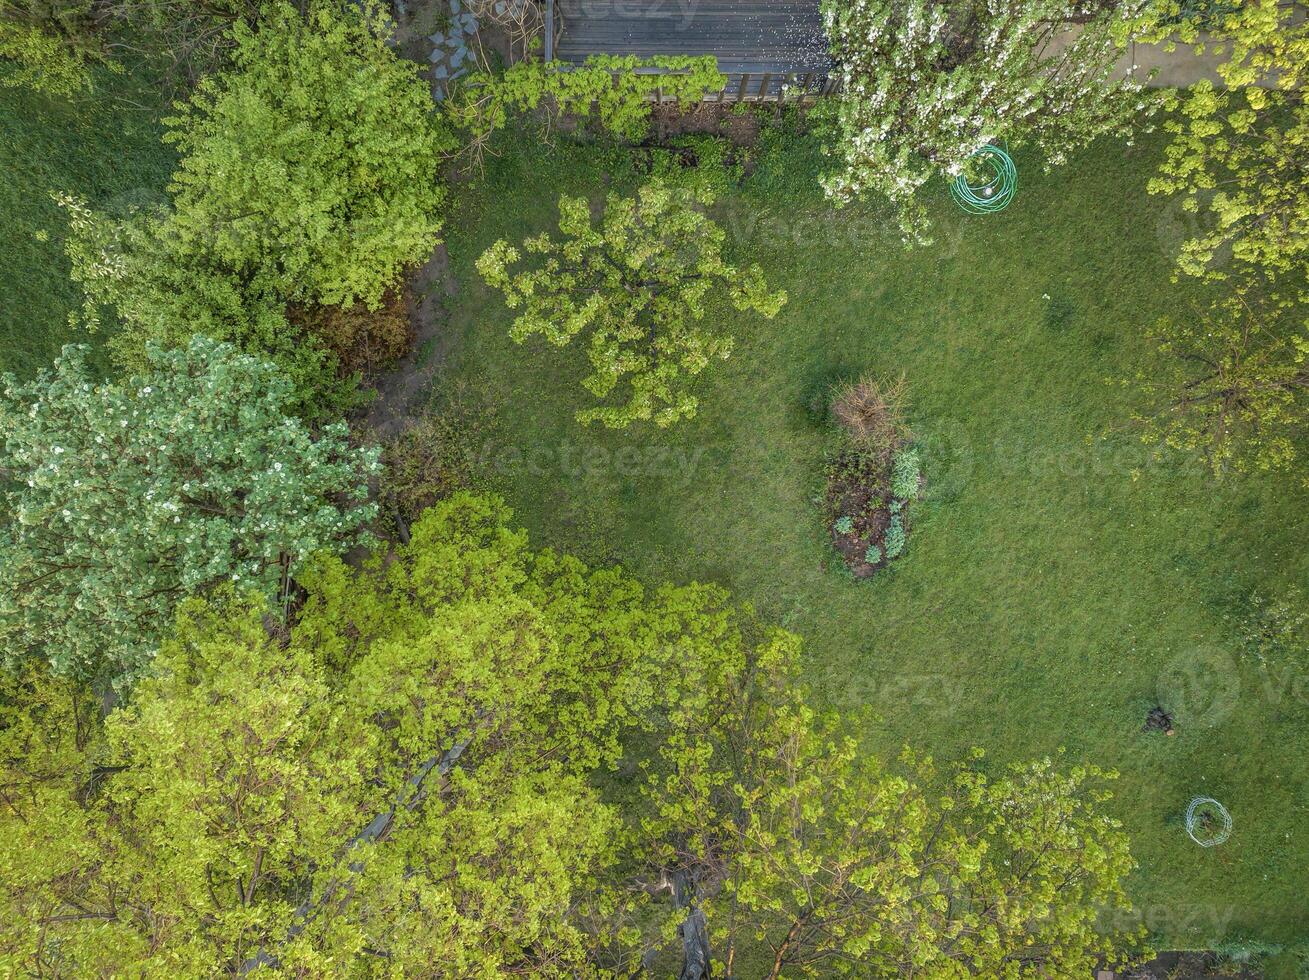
{"points": [[1052, 585], [107, 151]]}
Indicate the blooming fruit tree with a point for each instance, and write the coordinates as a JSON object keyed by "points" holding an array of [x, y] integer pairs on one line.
{"points": [[926, 83], [125, 498]]}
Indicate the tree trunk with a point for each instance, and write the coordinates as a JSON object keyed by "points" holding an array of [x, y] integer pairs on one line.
{"points": [[694, 930]]}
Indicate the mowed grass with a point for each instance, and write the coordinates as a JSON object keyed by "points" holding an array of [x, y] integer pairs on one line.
{"points": [[1056, 584], [106, 150]]}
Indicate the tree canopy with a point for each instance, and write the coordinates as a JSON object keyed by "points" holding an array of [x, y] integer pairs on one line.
{"points": [[309, 174], [126, 497], [400, 784], [47, 46], [795, 849], [1239, 155], [925, 83], [644, 287], [468, 758], [313, 159], [1231, 382]]}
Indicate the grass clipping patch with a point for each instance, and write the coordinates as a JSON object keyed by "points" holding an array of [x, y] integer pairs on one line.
{"points": [[872, 475]]}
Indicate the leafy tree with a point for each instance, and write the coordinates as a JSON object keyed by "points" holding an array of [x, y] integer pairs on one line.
{"points": [[639, 285], [1239, 156], [1231, 381], [313, 160], [793, 848], [160, 292], [616, 88], [399, 786], [408, 783], [128, 497], [925, 83], [309, 175], [47, 45]]}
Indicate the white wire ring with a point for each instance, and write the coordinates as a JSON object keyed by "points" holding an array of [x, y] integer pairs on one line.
{"points": [[1193, 817]]}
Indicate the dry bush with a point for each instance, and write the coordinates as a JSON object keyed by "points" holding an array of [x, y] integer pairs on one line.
{"points": [[522, 21], [423, 464], [872, 413], [364, 340]]}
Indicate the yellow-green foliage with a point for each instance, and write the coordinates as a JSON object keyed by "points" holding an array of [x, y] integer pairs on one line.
{"points": [[309, 174], [1231, 382], [808, 851], [407, 772], [640, 285], [414, 780], [47, 45], [1239, 156], [313, 161], [618, 88], [40, 60]]}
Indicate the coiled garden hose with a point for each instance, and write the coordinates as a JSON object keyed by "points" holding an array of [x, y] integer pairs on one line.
{"points": [[997, 188]]}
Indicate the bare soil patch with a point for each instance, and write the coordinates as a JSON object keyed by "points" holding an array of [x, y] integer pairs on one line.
{"points": [[857, 489], [709, 118]]}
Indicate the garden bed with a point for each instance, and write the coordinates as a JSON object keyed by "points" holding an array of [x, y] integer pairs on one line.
{"points": [[872, 476]]}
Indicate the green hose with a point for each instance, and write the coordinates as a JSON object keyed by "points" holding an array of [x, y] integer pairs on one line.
{"points": [[996, 191]]}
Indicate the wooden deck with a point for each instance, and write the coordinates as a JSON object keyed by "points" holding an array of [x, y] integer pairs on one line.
{"points": [[760, 44]]}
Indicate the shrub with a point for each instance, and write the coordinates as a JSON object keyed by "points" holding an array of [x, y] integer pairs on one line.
{"points": [[48, 50], [158, 292], [314, 161], [905, 472], [699, 160], [613, 89], [873, 555], [894, 540], [309, 174], [844, 524], [872, 413]]}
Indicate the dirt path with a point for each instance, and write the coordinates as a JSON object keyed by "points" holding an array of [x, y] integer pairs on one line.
{"points": [[404, 389]]}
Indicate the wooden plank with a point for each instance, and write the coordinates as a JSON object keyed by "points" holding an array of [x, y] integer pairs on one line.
{"points": [[769, 34], [768, 49]]}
